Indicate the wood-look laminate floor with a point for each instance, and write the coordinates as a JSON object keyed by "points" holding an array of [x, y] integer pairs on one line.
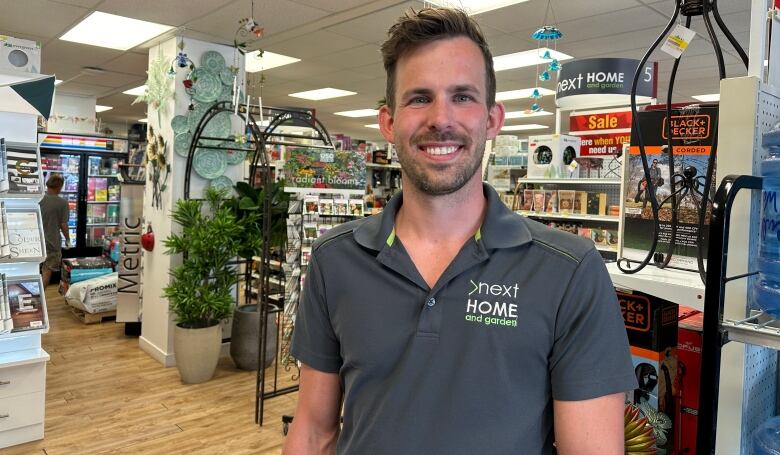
{"points": [[106, 396]]}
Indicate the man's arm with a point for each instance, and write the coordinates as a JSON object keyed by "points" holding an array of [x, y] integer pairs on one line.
{"points": [[65, 233], [315, 427], [592, 426]]}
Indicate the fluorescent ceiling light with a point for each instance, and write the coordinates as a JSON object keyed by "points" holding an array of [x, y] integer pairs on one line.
{"points": [[522, 93], [138, 91], [322, 94], [57, 81], [526, 114], [99, 108], [707, 98], [255, 63], [475, 6], [526, 58], [114, 32], [143, 120], [530, 126], [358, 113], [373, 125]]}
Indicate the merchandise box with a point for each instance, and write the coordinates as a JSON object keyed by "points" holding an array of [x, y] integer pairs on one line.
{"points": [[581, 202], [691, 135], [656, 374], [689, 345], [80, 269], [18, 54], [528, 200], [597, 203], [651, 322]]}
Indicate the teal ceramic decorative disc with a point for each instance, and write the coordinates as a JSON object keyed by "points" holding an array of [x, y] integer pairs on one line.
{"points": [[235, 155], [223, 183], [179, 124], [226, 76], [209, 163], [181, 143], [218, 126], [213, 61], [207, 88], [196, 114]]}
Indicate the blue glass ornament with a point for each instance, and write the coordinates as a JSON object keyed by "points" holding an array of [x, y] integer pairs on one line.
{"points": [[547, 33], [535, 94], [545, 76], [547, 55], [554, 65], [536, 108], [171, 72], [181, 60]]}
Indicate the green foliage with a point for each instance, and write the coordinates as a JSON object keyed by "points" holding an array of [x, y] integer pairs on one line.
{"points": [[247, 206], [199, 293]]}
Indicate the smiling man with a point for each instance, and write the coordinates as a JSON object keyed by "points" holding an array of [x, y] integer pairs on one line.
{"points": [[448, 324]]}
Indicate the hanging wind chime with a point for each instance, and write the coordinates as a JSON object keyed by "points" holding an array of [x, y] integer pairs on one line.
{"points": [[548, 34]]}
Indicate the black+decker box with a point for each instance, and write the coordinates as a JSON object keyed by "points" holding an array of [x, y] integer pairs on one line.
{"points": [[651, 322]]}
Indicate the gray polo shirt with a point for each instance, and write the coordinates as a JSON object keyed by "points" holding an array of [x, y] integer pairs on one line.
{"points": [[523, 315]]}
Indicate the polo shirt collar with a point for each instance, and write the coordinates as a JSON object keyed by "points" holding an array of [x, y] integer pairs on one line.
{"points": [[501, 228]]}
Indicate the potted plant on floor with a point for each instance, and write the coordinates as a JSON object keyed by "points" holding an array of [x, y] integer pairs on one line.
{"points": [[199, 292], [247, 205]]}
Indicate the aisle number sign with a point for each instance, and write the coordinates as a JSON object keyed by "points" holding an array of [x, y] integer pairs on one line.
{"points": [[603, 132]]}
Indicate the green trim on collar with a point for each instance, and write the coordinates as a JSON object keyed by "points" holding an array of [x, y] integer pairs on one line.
{"points": [[391, 238], [478, 235]]}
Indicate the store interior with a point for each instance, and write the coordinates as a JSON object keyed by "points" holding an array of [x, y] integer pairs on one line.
{"points": [[104, 375]]}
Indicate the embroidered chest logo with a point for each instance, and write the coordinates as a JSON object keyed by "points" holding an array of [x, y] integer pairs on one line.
{"points": [[492, 304]]}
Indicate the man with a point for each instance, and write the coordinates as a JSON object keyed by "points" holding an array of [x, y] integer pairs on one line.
{"points": [[448, 324], [655, 177], [54, 211]]}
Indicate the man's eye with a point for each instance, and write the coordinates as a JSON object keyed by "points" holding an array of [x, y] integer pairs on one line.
{"points": [[418, 100], [463, 98]]}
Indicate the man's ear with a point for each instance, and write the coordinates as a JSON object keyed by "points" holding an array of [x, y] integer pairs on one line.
{"points": [[495, 120], [386, 123]]}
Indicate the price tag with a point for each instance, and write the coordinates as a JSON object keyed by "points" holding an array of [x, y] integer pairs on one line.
{"points": [[327, 157], [678, 41]]}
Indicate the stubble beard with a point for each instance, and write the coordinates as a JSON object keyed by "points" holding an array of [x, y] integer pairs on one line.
{"points": [[440, 179]]}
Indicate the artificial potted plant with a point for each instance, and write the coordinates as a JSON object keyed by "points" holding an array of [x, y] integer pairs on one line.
{"points": [[248, 206], [200, 290]]}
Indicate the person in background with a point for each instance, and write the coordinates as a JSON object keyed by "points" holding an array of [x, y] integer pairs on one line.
{"points": [[449, 324], [54, 211]]}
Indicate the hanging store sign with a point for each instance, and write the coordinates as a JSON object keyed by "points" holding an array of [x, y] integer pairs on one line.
{"points": [[599, 82], [603, 132], [315, 168]]}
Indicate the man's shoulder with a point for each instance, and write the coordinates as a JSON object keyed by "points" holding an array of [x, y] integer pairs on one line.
{"points": [[338, 235], [559, 243]]}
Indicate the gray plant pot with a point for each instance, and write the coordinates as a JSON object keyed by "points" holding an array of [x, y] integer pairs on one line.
{"points": [[244, 338]]}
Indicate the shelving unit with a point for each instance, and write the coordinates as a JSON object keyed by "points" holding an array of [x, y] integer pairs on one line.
{"points": [[542, 181], [679, 286], [572, 216]]}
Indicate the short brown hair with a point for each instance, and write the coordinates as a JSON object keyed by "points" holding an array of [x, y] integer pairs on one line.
{"points": [[429, 24], [55, 182]]}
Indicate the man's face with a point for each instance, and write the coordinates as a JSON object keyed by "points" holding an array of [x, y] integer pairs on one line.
{"points": [[655, 163], [441, 119]]}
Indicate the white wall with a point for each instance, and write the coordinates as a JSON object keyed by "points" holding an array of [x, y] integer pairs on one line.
{"points": [[72, 114], [157, 328]]}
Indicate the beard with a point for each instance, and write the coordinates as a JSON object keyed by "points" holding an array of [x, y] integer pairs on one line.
{"points": [[438, 179]]}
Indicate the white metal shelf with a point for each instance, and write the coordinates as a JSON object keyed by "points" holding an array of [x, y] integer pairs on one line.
{"points": [[679, 286], [609, 248], [383, 166], [759, 329], [508, 166], [571, 181], [573, 216]]}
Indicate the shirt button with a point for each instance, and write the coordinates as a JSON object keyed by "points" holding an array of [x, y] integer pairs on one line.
{"points": [[431, 302]]}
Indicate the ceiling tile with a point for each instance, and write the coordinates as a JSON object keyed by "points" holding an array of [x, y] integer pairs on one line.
{"points": [[129, 63], [168, 12], [356, 56], [315, 44], [81, 54], [110, 80], [43, 18], [372, 28], [75, 88], [509, 19], [333, 6]]}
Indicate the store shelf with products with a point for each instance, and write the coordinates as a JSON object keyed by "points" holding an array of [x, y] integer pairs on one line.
{"points": [[594, 181], [383, 166], [679, 286], [569, 216]]}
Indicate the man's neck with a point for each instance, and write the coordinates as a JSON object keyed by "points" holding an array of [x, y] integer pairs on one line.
{"points": [[450, 218], [52, 192]]}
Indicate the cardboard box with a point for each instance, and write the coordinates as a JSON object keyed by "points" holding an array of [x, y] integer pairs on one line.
{"points": [[689, 345], [651, 322], [75, 270]]}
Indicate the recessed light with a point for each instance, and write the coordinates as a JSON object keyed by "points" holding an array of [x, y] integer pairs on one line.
{"points": [[255, 63], [358, 113], [143, 120], [527, 58], [57, 81], [99, 108], [138, 91], [526, 114], [530, 126], [707, 98], [475, 6], [322, 94], [522, 93], [373, 125], [114, 32]]}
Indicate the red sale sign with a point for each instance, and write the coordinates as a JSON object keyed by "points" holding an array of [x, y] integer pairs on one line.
{"points": [[603, 132]]}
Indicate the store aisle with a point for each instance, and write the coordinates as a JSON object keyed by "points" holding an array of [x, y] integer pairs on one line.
{"points": [[104, 395]]}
